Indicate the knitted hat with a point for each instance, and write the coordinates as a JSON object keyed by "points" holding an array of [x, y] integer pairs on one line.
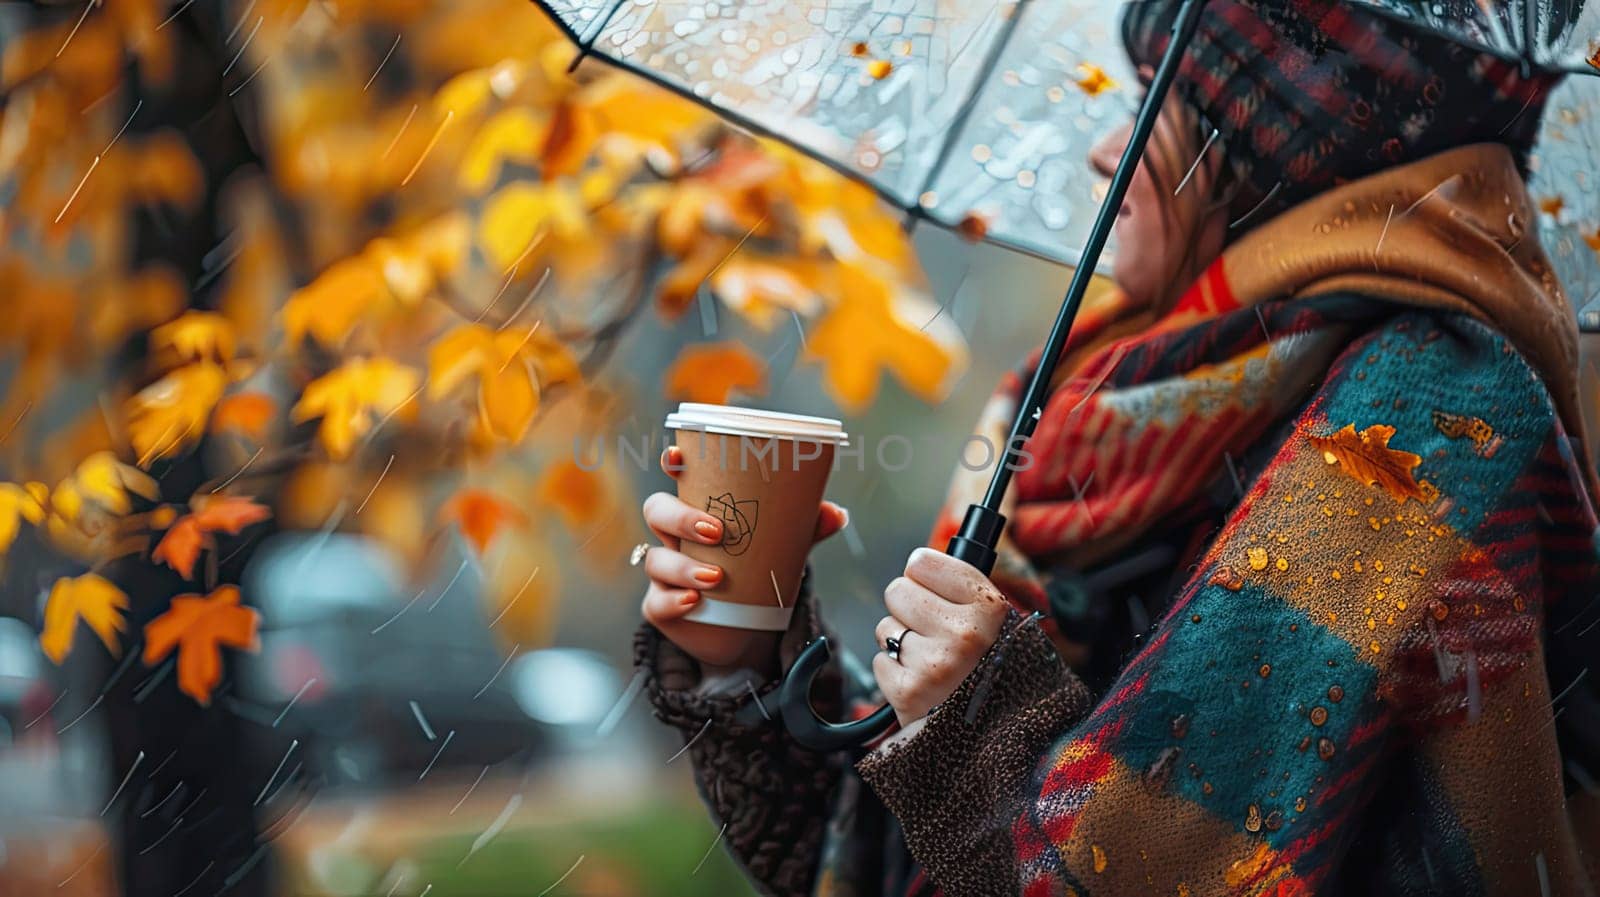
{"points": [[1306, 94]]}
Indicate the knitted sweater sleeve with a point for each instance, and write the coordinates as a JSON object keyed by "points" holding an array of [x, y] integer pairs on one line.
{"points": [[1377, 597], [773, 795]]}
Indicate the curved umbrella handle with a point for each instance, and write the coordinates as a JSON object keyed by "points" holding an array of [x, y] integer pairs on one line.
{"points": [[812, 731], [980, 531]]}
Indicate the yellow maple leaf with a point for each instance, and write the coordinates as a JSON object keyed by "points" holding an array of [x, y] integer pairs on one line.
{"points": [[105, 481], [19, 503], [171, 412], [512, 135], [873, 330], [198, 628], [89, 597], [1367, 457], [196, 336], [511, 366], [521, 213], [353, 397], [710, 373], [330, 306]]}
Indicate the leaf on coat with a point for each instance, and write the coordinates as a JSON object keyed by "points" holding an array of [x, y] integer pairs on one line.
{"points": [[91, 598], [480, 515], [1367, 457], [198, 628], [710, 373], [180, 547]]}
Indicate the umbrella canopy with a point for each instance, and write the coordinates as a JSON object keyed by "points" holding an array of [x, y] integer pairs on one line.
{"points": [[979, 115]]}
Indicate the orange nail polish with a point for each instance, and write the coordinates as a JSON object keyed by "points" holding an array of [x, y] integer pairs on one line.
{"points": [[707, 530], [707, 575]]}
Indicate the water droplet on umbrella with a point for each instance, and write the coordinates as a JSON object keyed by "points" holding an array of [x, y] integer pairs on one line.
{"points": [[1336, 693], [1252, 819], [1258, 558], [1437, 609], [1325, 748], [1319, 715], [1266, 670], [1274, 820], [1299, 805], [1099, 855]]}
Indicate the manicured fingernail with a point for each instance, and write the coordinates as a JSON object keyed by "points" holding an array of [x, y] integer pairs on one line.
{"points": [[844, 516], [690, 599], [707, 575], [708, 530]]}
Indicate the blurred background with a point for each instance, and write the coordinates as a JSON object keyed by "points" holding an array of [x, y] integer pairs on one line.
{"points": [[328, 330]]}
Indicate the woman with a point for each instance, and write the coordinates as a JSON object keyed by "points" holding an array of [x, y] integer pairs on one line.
{"points": [[1325, 434]]}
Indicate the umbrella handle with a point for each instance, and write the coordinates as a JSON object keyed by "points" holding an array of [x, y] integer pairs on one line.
{"points": [[980, 531]]}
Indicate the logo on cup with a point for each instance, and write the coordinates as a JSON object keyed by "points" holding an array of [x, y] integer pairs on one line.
{"points": [[738, 521]]}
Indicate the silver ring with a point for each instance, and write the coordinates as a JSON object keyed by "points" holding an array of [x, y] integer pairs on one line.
{"points": [[636, 557], [892, 645]]}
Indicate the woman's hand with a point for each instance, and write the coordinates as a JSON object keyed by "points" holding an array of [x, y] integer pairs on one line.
{"points": [[676, 579], [953, 614]]}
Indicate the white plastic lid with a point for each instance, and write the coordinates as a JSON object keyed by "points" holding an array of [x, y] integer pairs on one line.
{"points": [[732, 420]]}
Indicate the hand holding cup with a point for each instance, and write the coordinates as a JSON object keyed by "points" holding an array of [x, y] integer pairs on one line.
{"points": [[677, 580]]}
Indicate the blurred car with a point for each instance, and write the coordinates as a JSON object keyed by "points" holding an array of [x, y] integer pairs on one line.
{"points": [[379, 683]]}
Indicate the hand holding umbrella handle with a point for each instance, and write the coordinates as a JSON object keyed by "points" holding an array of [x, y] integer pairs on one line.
{"points": [[980, 532]]}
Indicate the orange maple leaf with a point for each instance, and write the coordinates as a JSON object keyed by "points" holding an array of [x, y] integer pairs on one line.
{"points": [[870, 332], [480, 515], [1367, 457], [199, 627], [180, 547], [576, 493], [709, 373], [248, 414]]}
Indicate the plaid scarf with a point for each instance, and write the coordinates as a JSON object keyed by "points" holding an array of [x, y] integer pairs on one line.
{"points": [[1151, 410]]}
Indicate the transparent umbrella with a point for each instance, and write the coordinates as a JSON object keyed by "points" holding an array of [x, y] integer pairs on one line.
{"points": [[978, 116]]}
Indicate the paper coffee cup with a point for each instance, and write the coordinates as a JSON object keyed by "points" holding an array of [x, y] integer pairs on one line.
{"points": [[762, 473]]}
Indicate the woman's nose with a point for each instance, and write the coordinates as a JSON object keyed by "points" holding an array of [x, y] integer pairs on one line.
{"points": [[1106, 152]]}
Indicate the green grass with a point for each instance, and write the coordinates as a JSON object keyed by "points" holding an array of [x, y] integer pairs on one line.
{"points": [[649, 854]]}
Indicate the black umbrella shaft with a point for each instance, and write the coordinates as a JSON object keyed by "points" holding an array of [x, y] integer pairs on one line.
{"points": [[1032, 406]]}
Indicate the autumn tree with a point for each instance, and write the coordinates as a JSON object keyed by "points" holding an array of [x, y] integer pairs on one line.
{"points": [[361, 266]]}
